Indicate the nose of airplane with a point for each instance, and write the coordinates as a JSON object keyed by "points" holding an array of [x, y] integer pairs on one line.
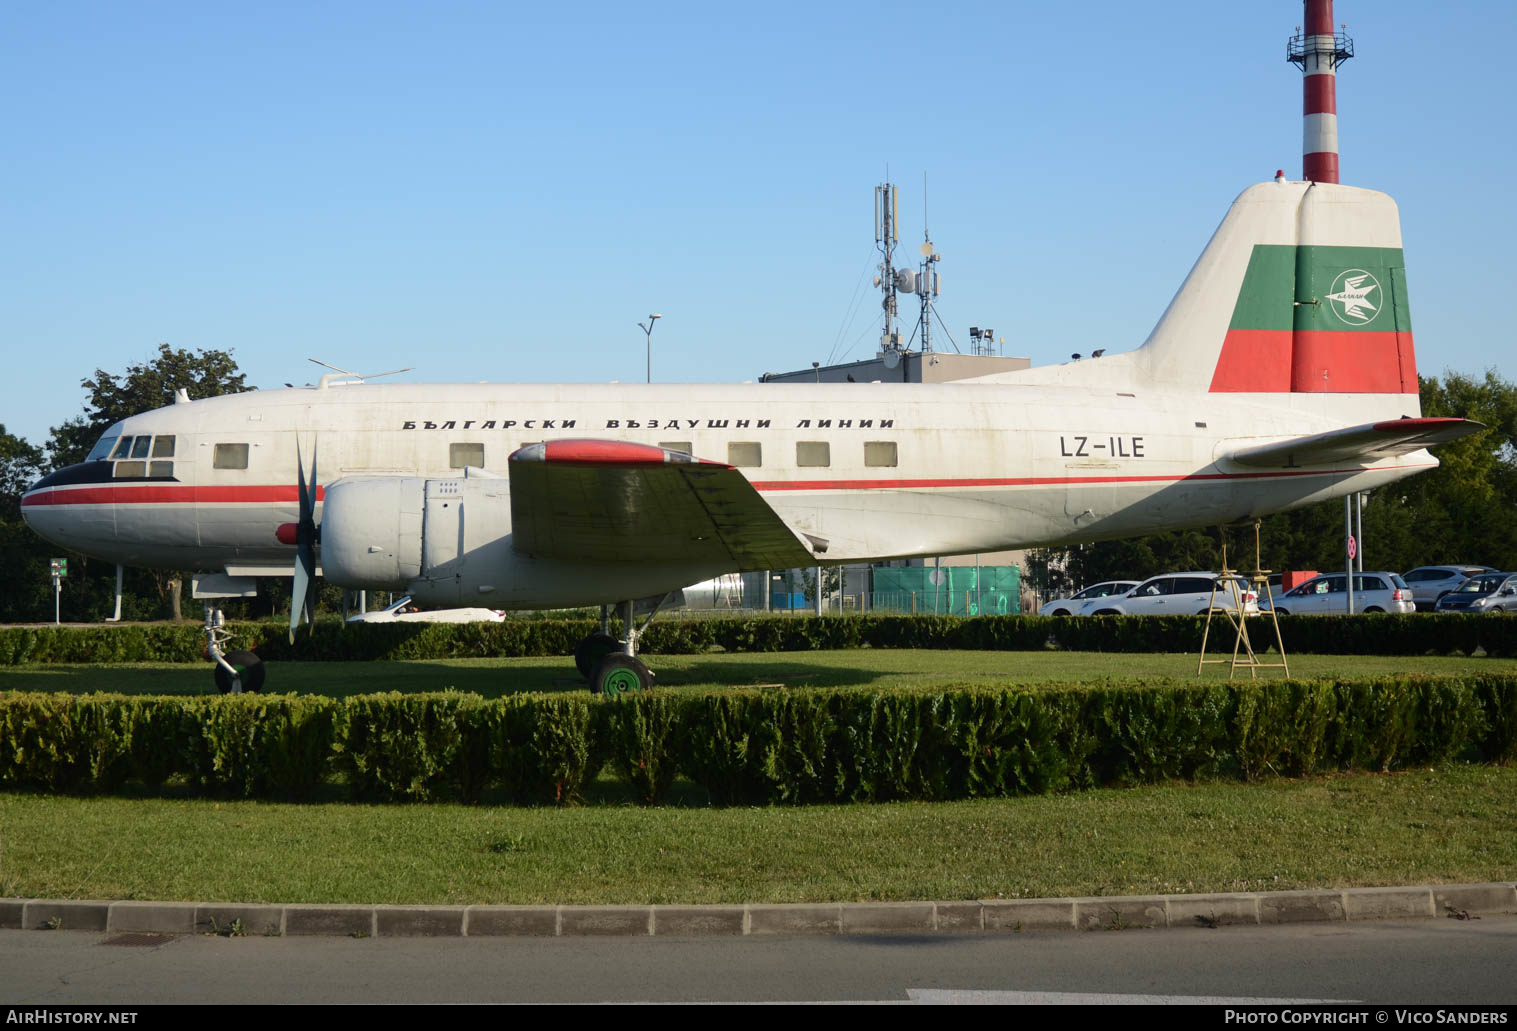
{"points": [[63, 508]]}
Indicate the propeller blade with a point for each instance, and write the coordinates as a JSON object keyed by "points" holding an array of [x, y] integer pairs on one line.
{"points": [[303, 589]]}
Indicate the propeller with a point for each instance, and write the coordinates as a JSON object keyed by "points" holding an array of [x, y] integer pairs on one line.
{"points": [[307, 533]]}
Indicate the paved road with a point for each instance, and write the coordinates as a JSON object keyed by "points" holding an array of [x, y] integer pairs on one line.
{"points": [[1438, 961]]}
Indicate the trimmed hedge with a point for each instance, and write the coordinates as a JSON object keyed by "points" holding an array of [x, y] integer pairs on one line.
{"points": [[754, 746], [1439, 634]]}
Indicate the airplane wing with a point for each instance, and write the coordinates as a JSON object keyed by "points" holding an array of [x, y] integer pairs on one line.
{"points": [[611, 501], [1359, 444]]}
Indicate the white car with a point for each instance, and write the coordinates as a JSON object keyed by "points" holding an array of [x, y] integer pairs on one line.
{"points": [[1172, 594], [1069, 606], [404, 611], [1326, 595]]}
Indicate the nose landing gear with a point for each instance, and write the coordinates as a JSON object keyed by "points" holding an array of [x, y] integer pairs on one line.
{"points": [[235, 671]]}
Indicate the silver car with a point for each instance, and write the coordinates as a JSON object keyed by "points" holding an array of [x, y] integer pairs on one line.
{"points": [[1069, 606], [1327, 595], [1486, 592], [1429, 583]]}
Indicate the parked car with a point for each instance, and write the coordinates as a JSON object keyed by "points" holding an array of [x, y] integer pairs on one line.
{"points": [[1170, 594], [1326, 595], [1429, 583], [405, 611], [1069, 606], [1486, 592]]}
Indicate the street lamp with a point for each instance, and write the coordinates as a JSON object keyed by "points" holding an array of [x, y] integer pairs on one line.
{"points": [[648, 332]]}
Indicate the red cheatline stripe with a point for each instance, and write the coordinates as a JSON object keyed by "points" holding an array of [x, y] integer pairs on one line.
{"points": [[1319, 94], [168, 494], [155, 495], [1047, 481], [1321, 167]]}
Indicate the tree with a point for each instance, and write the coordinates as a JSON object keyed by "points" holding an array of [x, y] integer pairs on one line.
{"points": [[142, 388], [23, 555]]}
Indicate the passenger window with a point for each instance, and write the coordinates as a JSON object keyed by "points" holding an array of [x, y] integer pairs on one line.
{"points": [[1152, 590], [140, 447], [230, 456], [163, 446], [461, 455], [880, 453], [813, 454], [745, 454], [682, 446]]}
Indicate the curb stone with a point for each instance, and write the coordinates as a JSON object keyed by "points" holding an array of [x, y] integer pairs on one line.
{"points": [[997, 916]]}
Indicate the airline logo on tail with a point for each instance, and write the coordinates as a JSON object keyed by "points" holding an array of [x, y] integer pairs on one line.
{"points": [[1351, 297]]}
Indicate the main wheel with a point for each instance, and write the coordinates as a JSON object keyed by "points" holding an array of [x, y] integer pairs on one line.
{"points": [[1281, 612], [250, 671], [1372, 608], [618, 673], [591, 650], [1059, 612]]}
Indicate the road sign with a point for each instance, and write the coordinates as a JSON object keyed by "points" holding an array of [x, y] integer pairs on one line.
{"points": [[59, 567], [1353, 547]]}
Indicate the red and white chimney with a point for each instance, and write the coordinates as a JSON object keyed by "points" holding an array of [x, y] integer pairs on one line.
{"points": [[1319, 51]]}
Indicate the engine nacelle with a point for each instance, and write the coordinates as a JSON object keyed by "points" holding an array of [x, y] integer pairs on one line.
{"points": [[448, 542], [391, 532]]}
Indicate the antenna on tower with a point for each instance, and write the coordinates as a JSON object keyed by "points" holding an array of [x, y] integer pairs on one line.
{"points": [[886, 236], [927, 276]]}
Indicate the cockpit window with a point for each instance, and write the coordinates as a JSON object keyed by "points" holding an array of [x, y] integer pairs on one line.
{"points": [[140, 447], [163, 446], [101, 449], [123, 448]]}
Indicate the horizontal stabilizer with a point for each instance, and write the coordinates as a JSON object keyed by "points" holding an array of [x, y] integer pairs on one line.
{"points": [[1361, 444], [616, 501]]}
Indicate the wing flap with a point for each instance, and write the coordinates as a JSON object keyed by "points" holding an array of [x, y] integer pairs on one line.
{"points": [[616, 501], [1364, 444]]}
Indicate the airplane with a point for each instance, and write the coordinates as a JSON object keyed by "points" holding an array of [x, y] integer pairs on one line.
{"points": [[1263, 387]]}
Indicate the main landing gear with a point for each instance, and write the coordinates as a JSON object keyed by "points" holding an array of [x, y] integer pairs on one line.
{"points": [[612, 665]]}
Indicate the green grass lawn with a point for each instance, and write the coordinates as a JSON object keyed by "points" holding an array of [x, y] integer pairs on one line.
{"points": [[857, 667], [1449, 824]]}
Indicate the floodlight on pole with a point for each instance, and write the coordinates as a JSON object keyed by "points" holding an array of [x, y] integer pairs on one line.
{"points": [[647, 329]]}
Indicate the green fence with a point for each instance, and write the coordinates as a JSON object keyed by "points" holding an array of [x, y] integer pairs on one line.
{"points": [[959, 590]]}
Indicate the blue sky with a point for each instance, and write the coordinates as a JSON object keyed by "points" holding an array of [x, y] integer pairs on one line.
{"points": [[500, 191]]}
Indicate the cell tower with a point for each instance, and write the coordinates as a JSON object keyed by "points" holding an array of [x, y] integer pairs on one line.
{"points": [[1319, 51], [926, 285], [886, 237]]}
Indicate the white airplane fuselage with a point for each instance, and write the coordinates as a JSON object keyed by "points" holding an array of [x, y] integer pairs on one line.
{"points": [[977, 467], [1253, 351]]}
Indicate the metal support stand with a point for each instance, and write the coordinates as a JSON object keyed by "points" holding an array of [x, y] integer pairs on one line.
{"points": [[1237, 585], [117, 617]]}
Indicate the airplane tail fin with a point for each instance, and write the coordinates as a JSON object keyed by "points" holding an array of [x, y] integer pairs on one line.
{"points": [[1302, 290]]}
